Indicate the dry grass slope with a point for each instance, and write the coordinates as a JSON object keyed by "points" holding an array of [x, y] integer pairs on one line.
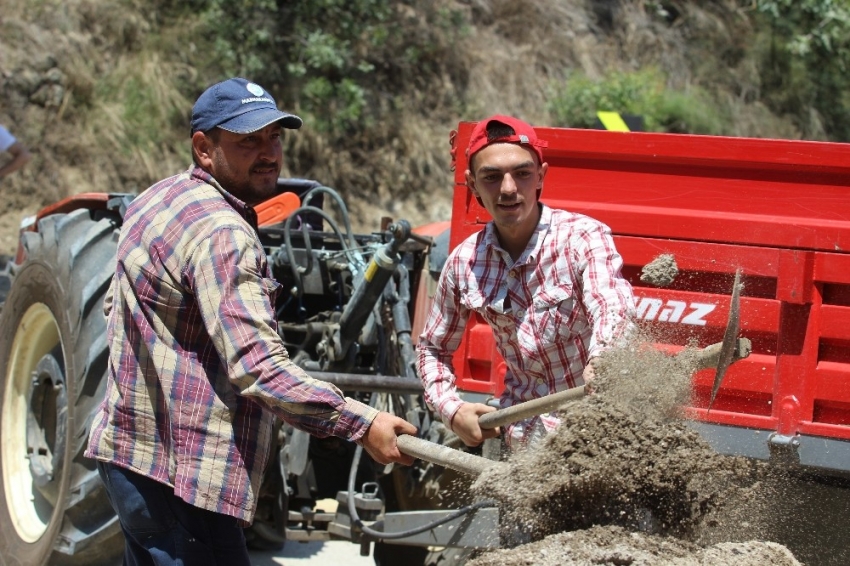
{"points": [[101, 90]]}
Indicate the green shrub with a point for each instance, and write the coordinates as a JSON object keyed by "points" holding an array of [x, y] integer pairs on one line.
{"points": [[575, 102], [690, 113], [803, 48]]}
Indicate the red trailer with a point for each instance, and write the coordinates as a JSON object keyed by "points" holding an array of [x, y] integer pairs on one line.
{"points": [[778, 210]]}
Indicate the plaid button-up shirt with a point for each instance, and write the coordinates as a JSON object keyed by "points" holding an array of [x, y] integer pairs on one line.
{"points": [[562, 302], [196, 367]]}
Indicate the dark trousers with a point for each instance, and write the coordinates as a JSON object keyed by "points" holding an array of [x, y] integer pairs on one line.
{"points": [[161, 529]]}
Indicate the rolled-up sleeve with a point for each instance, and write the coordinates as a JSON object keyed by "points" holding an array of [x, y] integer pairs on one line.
{"points": [[438, 342]]}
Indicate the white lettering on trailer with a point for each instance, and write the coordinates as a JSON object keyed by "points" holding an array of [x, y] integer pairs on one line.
{"points": [[649, 308]]}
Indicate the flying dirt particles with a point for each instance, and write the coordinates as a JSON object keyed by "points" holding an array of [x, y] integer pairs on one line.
{"points": [[625, 480]]}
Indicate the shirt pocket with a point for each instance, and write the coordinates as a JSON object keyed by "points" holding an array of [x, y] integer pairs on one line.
{"points": [[553, 312], [476, 302], [271, 287]]}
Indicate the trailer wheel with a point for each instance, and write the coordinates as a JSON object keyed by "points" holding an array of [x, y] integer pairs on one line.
{"points": [[53, 355]]}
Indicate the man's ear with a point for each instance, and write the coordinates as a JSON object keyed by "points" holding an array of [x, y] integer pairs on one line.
{"points": [[470, 182], [201, 149], [543, 168]]}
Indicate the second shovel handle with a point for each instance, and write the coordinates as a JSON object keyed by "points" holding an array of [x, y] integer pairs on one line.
{"points": [[531, 408]]}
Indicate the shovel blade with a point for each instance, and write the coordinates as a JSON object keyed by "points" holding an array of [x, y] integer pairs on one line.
{"points": [[730, 338]]}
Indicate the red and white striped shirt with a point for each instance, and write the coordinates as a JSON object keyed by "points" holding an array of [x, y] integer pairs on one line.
{"points": [[561, 303]]}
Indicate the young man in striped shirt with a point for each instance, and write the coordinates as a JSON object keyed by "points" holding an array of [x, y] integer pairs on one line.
{"points": [[548, 282]]}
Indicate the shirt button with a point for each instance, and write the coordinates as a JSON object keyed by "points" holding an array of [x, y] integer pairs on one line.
{"points": [[520, 313], [540, 381], [512, 273]]}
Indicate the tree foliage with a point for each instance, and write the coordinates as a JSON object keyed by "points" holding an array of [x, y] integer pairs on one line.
{"points": [[801, 56], [805, 58], [339, 62]]}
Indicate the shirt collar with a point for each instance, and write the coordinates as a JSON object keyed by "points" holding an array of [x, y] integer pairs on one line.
{"points": [[491, 240], [238, 205]]}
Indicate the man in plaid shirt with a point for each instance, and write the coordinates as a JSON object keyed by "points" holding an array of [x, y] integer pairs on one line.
{"points": [[196, 369], [548, 282]]}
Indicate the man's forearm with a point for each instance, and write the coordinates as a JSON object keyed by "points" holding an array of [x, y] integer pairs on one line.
{"points": [[438, 379]]}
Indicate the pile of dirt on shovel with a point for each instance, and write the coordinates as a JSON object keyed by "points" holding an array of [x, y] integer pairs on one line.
{"points": [[624, 480]]}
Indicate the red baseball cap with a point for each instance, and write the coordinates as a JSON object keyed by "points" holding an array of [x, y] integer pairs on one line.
{"points": [[524, 134]]}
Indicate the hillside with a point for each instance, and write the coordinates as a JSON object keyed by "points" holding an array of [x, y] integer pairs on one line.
{"points": [[101, 90]]}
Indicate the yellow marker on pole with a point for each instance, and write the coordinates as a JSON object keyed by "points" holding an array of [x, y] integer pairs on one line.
{"points": [[612, 121]]}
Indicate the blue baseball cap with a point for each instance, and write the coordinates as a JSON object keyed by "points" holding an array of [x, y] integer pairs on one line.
{"points": [[240, 106]]}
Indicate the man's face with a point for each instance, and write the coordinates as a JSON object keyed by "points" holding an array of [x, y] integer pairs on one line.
{"points": [[246, 165], [507, 180]]}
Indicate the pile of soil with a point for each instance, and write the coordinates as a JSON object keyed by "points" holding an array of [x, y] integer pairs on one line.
{"points": [[620, 547], [625, 480]]}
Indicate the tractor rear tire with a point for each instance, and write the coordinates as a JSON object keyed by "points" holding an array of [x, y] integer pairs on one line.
{"points": [[53, 356]]}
